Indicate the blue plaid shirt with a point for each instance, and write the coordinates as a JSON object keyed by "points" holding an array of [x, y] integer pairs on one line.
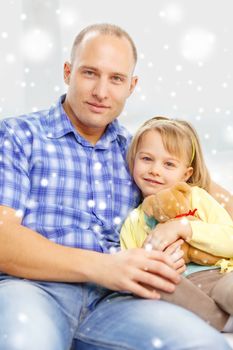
{"points": [[68, 190]]}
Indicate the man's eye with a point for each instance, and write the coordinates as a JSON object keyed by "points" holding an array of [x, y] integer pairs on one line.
{"points": [[117, 79], [89, 73]]}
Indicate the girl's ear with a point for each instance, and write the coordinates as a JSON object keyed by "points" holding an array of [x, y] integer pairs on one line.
{"points": [[188, 173]]}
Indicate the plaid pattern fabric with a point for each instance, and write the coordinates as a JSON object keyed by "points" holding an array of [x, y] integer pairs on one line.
{"points": [[70, 191]]}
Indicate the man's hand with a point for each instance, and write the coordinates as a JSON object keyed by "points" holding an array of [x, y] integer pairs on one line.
{"points": [[138, 271], [169, 232]]}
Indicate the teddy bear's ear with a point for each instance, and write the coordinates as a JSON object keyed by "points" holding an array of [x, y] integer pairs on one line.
{"points": [[182, 187]]}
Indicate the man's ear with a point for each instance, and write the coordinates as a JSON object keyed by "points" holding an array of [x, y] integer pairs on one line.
{"points": [[133, 83], [67, 71], [188, 173]]}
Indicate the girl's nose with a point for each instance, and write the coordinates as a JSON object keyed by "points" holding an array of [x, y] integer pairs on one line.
{"points": [[155, 169]]}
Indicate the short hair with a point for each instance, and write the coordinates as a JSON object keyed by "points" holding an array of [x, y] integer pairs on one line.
{"points": [[105, 29], [180, 139]]}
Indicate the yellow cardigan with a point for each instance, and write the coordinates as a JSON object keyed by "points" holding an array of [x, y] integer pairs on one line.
{"points": [[212, 231]]}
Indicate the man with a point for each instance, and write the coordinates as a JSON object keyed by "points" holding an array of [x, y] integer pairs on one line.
{"points": [[65, 190]]}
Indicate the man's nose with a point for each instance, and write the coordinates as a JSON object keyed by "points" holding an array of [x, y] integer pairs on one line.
{"points": [[100, 90]]}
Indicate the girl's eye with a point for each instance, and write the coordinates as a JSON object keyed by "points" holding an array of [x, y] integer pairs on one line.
{"points": [[170, 164], [146, 159]]}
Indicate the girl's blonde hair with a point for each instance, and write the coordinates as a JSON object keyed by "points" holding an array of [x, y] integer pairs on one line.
{"points": [[179, 139]]}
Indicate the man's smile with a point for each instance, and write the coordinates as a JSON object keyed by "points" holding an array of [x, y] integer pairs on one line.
{"points": [[97, 107]]}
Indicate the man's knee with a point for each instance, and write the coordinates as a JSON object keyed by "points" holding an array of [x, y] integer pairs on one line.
{"points": [[28, 320]]}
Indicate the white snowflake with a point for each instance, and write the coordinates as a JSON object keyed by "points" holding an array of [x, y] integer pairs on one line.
{"points": [[157, 343], [148, 247], [19, 213], [91, 203], [173, 94], [117, 220], [32, 204], [172, 13], [96, 228], [10, 58], [102, 205], [51, 148], [44, 182], [68, 18], [35, 45], [184, 221], [4, 35], [179, 68], [22, 317], [23, 16], [112, 250], [97, 166], [197, 44]]}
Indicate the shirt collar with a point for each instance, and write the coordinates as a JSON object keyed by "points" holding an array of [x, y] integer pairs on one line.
{"points": [[59, 125]]}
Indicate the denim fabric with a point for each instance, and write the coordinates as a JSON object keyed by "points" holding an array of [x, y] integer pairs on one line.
{"points": [[50, 316]]}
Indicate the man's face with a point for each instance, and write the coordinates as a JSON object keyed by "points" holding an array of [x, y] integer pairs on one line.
{"points": [[99, 82]]}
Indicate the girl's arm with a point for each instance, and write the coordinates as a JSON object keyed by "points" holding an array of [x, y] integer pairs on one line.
{"points": [[222, 196], [133, 232], [213, 232]]}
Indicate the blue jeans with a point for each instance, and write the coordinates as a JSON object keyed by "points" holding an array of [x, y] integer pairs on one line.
{"points": [[53, 316]]}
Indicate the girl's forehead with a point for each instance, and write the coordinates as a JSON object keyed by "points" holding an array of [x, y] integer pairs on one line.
{"points": [[172, 143]]}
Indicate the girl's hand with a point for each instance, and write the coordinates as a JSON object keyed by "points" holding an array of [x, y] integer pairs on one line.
{"points": [[169, 232], [176, 254]]}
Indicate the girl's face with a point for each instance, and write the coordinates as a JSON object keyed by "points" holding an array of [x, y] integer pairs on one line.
{"points": [[154, 168]]}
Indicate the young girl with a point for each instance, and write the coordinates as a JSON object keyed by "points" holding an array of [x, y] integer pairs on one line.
{"points": [[162, 153]]}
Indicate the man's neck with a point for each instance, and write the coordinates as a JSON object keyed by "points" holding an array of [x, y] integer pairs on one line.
{"points": [[92, 135]]}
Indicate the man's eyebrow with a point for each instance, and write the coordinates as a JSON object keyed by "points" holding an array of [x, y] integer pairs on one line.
{"points": [[89, 67], [120, 74]]}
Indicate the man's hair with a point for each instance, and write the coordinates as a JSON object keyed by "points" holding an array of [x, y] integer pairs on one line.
{"points": [[104, 29], [179, 139]]}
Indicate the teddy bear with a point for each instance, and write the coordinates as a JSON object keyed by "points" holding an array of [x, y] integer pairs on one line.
{"points": [[172, 203]]}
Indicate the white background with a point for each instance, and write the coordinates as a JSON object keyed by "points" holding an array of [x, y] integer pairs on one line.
{"points": [[185, 62]]}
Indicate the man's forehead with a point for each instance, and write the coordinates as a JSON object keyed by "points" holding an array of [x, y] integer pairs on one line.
{"points": [[105, 52], [95, 40]]}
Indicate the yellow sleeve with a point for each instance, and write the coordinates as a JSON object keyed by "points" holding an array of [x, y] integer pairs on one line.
{"points": [[213, 231], [133, 231]]}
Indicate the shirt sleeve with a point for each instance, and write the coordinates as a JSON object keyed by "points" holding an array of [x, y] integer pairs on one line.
{"points": [[213, 231], [14, 179]]}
